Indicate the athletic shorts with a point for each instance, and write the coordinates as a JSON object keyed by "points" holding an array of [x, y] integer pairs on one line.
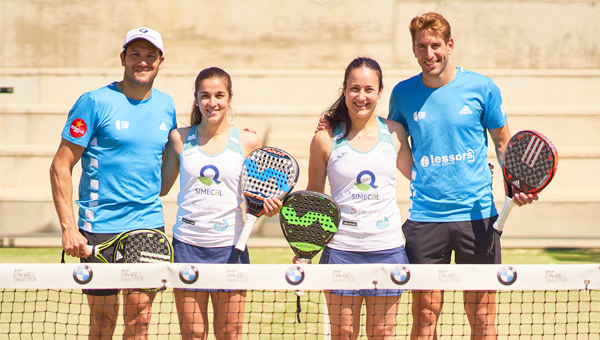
{"points": [[94, 239], [394, 255], [434, 242], [187, 253]]}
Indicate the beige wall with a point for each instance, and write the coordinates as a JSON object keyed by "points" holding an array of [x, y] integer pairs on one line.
{"points": [[286, 58], [306, 34], [289, 55]]}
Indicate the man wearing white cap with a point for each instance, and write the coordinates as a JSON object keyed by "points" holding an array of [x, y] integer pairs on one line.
{"points": [[119, 133]]}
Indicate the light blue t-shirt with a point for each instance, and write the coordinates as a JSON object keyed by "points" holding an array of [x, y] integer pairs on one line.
{"points": [[451, 179], [124, 141]]}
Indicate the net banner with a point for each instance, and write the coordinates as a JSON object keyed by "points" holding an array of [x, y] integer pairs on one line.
{"points": [[305, 277], [285, 301]]}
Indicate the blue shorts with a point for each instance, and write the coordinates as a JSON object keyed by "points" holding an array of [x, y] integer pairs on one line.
{"points": [[187, 253], [394, 255]]}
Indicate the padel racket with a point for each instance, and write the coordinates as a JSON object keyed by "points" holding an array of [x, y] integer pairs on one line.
{"points": [[136, 246], [308, 221], [267, 172], [530, 163]]}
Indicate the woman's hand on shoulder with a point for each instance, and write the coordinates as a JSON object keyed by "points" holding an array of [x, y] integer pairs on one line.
{"points": [[323, 137], [322, 125]]}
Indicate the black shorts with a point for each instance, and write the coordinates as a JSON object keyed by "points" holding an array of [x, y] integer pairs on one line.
{"points": [[94, 239], [434, 242]]}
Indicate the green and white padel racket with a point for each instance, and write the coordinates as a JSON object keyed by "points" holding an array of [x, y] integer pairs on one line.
{"points": [[308, 220]]}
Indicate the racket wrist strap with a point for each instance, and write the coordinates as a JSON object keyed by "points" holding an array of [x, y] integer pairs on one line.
{"points": [[510, 190]]}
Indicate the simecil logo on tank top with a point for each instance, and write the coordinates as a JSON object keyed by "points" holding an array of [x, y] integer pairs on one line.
{"points": [[445, 160], [206, 171], [365, 186], [78, 128]]}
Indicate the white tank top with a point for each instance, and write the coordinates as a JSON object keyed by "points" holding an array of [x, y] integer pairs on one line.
{"points": [[209, 200], [364, 186]]}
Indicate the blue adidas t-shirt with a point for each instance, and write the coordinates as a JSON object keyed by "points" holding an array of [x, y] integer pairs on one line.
{"points": [[124, 141], [451, 179]]}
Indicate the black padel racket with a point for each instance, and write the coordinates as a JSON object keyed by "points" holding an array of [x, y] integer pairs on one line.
{"points": [[136, 246], [308, 220], [267, 172], [530, 163]]}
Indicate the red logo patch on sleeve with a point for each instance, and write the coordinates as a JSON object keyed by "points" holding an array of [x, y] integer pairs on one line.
{"points": [[78, 128]]}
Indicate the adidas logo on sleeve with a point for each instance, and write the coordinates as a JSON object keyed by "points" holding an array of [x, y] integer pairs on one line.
{"points": [[465, 111]]}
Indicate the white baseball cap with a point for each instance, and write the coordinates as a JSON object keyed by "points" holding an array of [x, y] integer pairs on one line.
{"points": [[144, 33]]}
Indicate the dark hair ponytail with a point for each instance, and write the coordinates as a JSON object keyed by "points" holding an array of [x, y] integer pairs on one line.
{"points": [[207, 73], [338, 112]]}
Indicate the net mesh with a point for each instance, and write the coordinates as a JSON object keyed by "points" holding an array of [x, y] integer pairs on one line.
{"points": [[565, 304]]}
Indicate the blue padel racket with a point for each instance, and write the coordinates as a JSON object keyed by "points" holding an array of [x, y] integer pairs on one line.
{"points": [[267, 172], [530, 163], [308, 221]]}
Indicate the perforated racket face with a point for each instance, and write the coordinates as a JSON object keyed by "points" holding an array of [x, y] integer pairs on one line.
{"points": [[309, 220], [530, 161], [143, 247], [267, 172]]}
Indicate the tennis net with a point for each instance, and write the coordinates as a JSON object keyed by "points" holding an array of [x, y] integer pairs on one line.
{"points": [[532, 301]]}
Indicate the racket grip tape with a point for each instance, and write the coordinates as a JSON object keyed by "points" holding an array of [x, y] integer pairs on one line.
{"points": [[93, 250], [506, 208], [246, 231]]}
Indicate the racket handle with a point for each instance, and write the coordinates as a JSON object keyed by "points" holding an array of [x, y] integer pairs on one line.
{"points": [[93, 250], [246, 231], [300, 292], [506, 208]]}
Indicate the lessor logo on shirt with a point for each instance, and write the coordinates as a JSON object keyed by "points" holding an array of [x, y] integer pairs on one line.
{"points": [[443, 160], [78, 128]]}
